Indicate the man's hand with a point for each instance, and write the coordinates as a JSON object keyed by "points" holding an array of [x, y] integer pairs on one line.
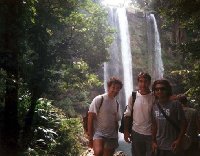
{"points": [[127, 137], [154, 146], [176, 145]]}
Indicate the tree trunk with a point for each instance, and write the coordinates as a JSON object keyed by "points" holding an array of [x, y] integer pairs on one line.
{"points": [[10, 134]]}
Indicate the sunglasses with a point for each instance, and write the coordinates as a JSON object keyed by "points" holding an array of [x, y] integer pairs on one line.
{"points": [[160, 89]]}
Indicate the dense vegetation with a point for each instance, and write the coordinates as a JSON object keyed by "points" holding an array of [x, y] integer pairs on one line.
{"points": [[180, 19], [49, 51]]}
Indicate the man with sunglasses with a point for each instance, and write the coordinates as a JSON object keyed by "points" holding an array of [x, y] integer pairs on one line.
{"points": [[168, 121], [141, 126]]}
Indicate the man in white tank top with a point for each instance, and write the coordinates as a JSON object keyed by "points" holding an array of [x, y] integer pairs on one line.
{"points": [[141, 126], [103, 120]]}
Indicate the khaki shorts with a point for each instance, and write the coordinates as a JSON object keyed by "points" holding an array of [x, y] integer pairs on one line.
{"points": [[110, 143]]}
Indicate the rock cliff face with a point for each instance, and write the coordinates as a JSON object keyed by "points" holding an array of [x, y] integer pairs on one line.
{"points": [[142, 57], [145, 44], [138, 39]]}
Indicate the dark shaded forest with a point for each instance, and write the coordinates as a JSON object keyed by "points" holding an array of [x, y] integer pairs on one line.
{"points": [[50, 50], [50, 55]]}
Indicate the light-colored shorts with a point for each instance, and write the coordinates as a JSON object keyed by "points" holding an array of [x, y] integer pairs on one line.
{"points": [[110, 143]]}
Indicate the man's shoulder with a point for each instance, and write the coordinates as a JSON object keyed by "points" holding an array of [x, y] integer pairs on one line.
{"points": [[189, 109], [98, 97]]}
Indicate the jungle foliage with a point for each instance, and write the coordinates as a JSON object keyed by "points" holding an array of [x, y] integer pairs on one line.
{"points": [[180, 18], [49, 49]]}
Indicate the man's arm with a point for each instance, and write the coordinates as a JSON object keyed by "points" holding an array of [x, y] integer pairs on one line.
{"points": [[127, 135], [198, 121], [154, 132], [127, 120], [183, 126], [91, 117]]}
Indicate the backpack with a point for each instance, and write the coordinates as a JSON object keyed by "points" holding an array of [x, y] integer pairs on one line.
{"points": [[85, 119], [121, 128]]}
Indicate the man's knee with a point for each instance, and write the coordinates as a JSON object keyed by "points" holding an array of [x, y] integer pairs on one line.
{"points": [[98, 147]]}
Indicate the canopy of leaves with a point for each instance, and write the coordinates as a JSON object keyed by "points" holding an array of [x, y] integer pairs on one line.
{"points": [[62, 44], [55, 37]]}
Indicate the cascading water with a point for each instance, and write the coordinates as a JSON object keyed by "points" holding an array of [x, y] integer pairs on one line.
{"points": [[113, 66], [120, 62], [158, 66], [154, 48], [126, 52]]}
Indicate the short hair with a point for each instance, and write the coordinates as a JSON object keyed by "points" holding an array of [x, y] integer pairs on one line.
{"points": [[182, 99], [165, 83], [115, 80], [144, 75]]}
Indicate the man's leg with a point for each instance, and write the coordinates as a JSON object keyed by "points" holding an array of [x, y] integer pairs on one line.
{"points": [[138, 148], [138, 145], [110, 144], [98, 147], [148, 142], [141, 144]]}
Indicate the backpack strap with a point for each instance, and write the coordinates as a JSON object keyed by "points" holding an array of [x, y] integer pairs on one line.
{"points": [[117, 105], [101, 102], [168, 118], [133, 101]]}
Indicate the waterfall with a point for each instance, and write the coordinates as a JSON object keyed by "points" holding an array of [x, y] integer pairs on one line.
{"points": [[126, 52], [154, 49], [120, 61], [113, 66]]}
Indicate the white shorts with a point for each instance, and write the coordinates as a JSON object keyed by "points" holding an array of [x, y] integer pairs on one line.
{"points": [[111, 143]]}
